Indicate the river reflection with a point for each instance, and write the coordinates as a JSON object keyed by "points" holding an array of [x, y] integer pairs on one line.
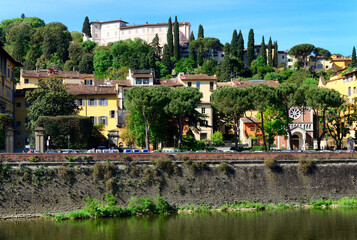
{"points": [[288, 224]]}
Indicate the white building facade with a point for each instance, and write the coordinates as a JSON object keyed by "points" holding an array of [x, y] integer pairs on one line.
{"points": [[104, 32]]}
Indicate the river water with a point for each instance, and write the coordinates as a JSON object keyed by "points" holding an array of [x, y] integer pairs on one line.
{"points": [[288, 224]]}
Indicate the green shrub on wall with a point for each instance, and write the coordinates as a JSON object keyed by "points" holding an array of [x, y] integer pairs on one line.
{"points": [[58, 128], [5, 121]]}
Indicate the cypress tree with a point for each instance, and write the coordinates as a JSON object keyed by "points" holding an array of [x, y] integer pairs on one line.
{"points": [[275, 59], [199, 54], [47, 47], [263, 51], [250, 48], [240, 47], [234, 44], [166, 58], [170, 44], [177, 40], [200, 32], [86, 27], [23, 16], [354, 61], [270, 52], [191, 50]]}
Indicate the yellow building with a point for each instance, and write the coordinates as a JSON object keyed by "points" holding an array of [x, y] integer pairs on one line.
{"points": [[7, 86], [339, 62]]}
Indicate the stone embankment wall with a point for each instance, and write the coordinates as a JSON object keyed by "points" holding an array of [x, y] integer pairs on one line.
{"points": [[53, 183]]}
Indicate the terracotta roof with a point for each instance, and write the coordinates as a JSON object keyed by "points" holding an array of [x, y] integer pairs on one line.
{"points": [[111, 21], [144, 75], [123, 83], [91, 90], [248, 83], [170, 83], [341, 59], [198, 77], [246, 120], [152, 25], [61, 74], [225, 84]]}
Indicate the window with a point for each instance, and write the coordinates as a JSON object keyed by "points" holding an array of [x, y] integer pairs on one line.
{"points": [[18, 123], [94, 120], [349, 91], [251, 128], [203, 136], [103, 102], [203, 110], [139, 81], [354, 90], [92, 102], [18, 104], [26, 80], [27, 120], [88, 82], [198, 84], [103, 119], [211, 86], [96, 35], [152, 29], [319, 66], [282, 57], [112, 114], [145, 81], [189, 84], [80, 102]]}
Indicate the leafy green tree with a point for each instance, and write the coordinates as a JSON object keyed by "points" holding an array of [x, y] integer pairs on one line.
{"points": [[88, 46], [225, 70], [339, 120], [232, 103], [23, 16], [209, 67], [56, 39], [217, 138], [35, 22], [298, 77], [161, 70], [263, 50], [234, 44], [191, 50], [274, 76], [240, 48], [205, 47], [51, 98], [284, 99], [250, 49], [149, 102], [260, 68], [170, 44], [86, 27], [77, 37], [176, 40], [185, 65], [354, 61], [182, 109], [86, 64], [274, 124], [18, 36], [101, 62], [320, 52], [319, 100], [118, 74], [75, 52], [54, 62], [260, 99], [70, 65], [275, 58], [301, 52], [270, 52]]}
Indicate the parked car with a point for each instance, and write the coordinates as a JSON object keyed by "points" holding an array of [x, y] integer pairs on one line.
{"points": [[68, 151], [169, 150], [136, 151], [145, 151], [127, 150]]}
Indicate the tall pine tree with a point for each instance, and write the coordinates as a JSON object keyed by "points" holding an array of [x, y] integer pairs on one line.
{"points": [[200, 32], [234, 44], [270, 52], [176, 40], [191, 50], [240, 47], [170, 44], [275, 58], [263, 51], [86, 27], [354, 61], [250, 48]]}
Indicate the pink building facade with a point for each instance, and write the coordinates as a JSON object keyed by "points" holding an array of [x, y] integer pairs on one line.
{"points": [[302, 130]]}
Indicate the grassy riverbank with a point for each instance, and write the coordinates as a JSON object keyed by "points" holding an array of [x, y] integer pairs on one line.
{"points": [[144, 205]]}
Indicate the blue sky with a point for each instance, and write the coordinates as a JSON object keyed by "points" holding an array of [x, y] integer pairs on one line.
{"points": [[328, 24]]}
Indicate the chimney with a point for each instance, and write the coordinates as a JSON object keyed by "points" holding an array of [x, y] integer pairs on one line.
{"points": [[147, 23]]}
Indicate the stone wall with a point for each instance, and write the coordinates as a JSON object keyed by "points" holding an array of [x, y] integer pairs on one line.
{"points": [[54, 189]]}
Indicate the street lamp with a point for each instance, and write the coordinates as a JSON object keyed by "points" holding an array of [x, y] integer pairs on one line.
{"points": [[69, 137]]}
